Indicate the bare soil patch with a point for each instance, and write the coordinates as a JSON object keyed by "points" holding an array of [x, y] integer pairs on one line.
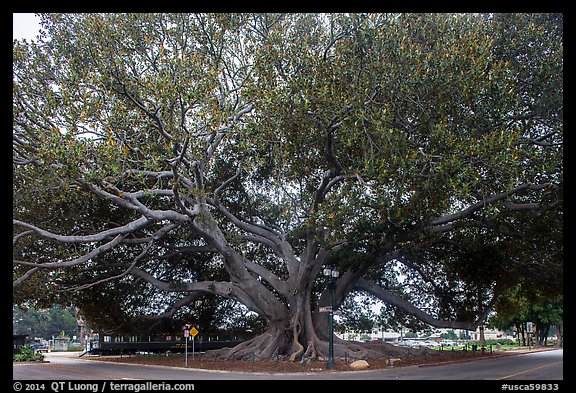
{"points": [[201, 361]]}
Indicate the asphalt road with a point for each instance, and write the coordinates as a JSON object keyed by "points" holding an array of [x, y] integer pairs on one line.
{"points": [[539, 366]]}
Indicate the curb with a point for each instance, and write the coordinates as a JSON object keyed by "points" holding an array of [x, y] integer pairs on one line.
{"points": [[501, 355]]}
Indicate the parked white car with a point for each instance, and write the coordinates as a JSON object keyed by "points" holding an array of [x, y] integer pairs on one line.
{"points": [[448, 343], [409, 343], [430, 343]]}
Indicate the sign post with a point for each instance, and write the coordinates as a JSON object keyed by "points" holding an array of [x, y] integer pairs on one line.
{"points": [[186, 335], [189, 331], [193, 333]]}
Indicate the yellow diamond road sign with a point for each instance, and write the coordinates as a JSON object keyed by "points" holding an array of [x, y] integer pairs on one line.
{"points": [[193, 331]]}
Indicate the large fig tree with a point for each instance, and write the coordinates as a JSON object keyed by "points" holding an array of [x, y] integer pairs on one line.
{"points": [[162, 159]]}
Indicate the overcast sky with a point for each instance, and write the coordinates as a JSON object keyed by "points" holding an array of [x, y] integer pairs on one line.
{"points": [[25, 26]]}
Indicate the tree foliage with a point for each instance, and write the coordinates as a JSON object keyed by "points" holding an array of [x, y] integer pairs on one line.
{"points": [[524, 303], [45, 323], [161, 159]]}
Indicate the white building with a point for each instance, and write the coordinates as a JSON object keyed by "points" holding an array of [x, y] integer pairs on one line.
{"points": [[389, 335]]}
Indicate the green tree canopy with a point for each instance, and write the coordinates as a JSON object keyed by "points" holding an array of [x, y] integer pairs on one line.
{"points": [[165, 158], [45, 323]]}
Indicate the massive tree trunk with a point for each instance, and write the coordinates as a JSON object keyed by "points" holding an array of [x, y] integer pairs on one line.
{"points": [[298, 338], [299, 331]]}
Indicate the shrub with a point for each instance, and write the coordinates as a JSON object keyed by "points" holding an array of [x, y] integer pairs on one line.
{"points": [[27, 354], [501, 341]]}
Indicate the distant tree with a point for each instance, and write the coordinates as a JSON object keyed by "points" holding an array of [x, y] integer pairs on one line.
{"points": [[355, 315], [45, 323], [451, 335], [522, 304], [545, 314]]}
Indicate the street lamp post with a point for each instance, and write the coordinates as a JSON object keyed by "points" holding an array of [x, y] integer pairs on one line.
{"points": [[331, 276]]}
